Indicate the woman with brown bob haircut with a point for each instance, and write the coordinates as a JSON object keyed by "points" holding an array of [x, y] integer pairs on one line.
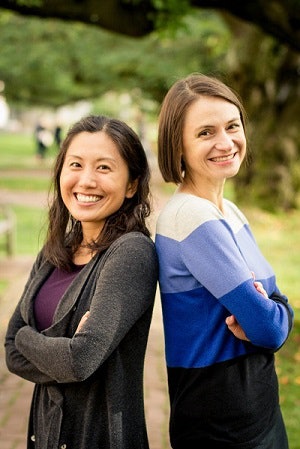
{"points": [[224, 316], [172, 116]]}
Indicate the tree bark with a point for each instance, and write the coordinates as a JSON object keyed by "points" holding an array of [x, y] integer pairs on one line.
{"points": [[266, 75]]}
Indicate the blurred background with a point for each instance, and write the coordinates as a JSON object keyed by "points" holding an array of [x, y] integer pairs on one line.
{"points": [[60, 61]]}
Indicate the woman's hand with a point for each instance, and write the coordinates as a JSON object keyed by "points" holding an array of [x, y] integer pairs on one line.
{"points": [[231, 321], [235, 328], [259, 287], [82, 321]]}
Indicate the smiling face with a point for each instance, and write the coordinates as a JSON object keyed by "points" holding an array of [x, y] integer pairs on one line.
{"points": [[94, 181], [214, 143]]}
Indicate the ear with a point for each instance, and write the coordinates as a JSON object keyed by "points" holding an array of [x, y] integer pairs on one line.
{"points": [[132, 188]]}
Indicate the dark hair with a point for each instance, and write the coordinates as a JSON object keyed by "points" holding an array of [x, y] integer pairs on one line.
{"points": [[172, 116], [64, 232]]}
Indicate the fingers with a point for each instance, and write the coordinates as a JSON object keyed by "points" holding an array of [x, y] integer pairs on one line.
{"points": [[259, 287], [82, 321], [86, 315], [230, 320], [235, 328]]}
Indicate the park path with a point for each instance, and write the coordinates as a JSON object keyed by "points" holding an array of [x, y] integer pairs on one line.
{"points": [[15, 393]]}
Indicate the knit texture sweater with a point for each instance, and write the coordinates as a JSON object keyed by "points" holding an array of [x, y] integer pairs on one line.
{"points": [[223, 390], [89, 386]]}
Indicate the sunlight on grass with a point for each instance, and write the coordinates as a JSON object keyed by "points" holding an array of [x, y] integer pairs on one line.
{"points": [[25, 184], [278, 237], [287, 361], [19, 151], [30, 230], [3, 285]]}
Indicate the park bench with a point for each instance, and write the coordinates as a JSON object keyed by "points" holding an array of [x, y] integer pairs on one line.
{"points": [[7, 226]]}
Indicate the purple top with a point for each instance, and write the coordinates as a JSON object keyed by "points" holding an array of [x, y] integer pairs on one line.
{"points": [[50, 295]]}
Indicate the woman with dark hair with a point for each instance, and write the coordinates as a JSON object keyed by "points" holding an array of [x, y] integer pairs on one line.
{"points": [[81, 326], [221, 325]]}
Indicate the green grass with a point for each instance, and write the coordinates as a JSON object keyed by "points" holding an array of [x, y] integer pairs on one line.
{"points": [[288, 360], [3, 286], [277, 235], [18, 151], [29, 231], [25, 184]]}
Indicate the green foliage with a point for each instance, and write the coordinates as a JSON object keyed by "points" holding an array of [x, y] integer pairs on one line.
{"points": [[268, 82], [66, 62], [29, 2], [169, 14]]}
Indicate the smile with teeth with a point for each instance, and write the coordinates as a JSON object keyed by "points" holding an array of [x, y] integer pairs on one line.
{"points": [[223, 158], [87, 198]]}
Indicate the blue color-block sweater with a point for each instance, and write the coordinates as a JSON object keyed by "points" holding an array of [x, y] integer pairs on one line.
{"points": [[223, 390]]}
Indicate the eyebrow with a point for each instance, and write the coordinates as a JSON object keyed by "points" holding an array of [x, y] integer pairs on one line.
{"points": [[236, 119], [100, 159]]}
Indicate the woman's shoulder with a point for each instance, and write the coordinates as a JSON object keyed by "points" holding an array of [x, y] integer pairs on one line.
{"points": [[184, 213], [233, 210], [134, 237], [133, 243], [185, 202]]}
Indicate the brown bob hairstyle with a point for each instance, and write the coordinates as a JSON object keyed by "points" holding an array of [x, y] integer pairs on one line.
{"points": [[64, 232], [172, 116]]}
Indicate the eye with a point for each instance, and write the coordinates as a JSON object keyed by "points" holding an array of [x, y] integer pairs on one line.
{"points": [[75, 164], [204, 133], [234, 126], [104, 167]]}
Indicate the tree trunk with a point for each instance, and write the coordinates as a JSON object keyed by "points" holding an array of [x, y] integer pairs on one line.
{"points": [[266, 74]]}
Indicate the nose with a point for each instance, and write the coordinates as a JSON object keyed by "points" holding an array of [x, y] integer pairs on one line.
{"points": [[224, 141], [87, 178]]}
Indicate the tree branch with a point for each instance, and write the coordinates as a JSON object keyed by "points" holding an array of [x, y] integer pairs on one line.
{"points": [[279, 18]]}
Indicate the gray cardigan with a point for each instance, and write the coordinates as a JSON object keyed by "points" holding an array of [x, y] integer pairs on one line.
{"points": [[89, 387]]}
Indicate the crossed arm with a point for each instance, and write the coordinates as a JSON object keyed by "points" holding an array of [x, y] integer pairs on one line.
{"points": [[231, 321]]}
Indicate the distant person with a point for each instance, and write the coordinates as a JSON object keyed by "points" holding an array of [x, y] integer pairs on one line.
{"points": [[81, 327], [44, 139], [57, 136], [221, 325]]}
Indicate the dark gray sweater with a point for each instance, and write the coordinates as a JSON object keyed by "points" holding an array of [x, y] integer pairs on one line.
{"points": [[89, 387]]}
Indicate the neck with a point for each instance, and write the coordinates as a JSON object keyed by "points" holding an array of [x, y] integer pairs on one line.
{"points": [[83, 255], [210, 192]]}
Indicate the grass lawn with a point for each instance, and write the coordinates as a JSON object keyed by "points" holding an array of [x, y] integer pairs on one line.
{"points": [[18, 151], [278, 237]]}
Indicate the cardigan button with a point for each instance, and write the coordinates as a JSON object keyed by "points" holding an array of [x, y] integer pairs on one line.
{"points": [[32, 437], [63, 446]]}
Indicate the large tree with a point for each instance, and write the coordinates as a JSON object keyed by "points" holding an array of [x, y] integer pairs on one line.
{"points": [[67, 62], [264, 70], [280, 18], [266, 75]]}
